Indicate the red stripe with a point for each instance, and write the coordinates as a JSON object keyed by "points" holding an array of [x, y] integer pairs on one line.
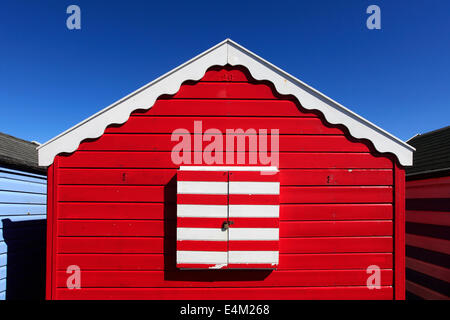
{"points": [[188, 245], [253, 245], [221, 176], [254, 199], [254, 176], [188, 222], [217, 199]]}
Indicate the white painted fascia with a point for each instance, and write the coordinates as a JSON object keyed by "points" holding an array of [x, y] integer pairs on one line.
{"points": [[226, 52]]}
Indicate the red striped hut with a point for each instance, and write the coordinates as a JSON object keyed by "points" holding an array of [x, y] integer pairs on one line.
{"points": [[428, 217], [226, 178]]}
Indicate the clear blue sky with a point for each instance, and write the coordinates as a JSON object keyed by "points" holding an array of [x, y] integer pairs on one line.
{"points": [[52, 78]]}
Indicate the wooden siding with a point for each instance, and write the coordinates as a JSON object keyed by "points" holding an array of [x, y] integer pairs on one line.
{"points": [[113, 201], [428, 239], [22, 227]]}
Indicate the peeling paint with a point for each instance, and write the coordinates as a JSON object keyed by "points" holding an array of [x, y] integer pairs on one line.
{"points": [[218, 266]]}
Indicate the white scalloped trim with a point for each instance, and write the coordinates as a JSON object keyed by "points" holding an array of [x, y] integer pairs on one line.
{"points": [[226, 52]]}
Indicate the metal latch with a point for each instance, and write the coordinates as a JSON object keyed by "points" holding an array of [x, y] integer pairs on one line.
{"points": [[226, 225]]}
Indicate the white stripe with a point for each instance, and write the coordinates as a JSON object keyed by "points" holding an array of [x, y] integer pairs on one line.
{"points": [[202, 211], [240, 187], [254, 211], [229, 168], [253, 233], [202, 187], [253, 257], [213, 257], [206, 234]]}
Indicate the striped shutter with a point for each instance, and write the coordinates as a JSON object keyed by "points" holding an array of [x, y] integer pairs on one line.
{"points": [[253, 206], [248, 201]]}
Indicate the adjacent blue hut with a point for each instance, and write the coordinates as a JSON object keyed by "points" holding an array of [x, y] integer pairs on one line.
{"points": [[23, 186]]}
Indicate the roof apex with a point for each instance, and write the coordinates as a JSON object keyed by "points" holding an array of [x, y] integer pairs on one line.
{"points": [[225, 52]]}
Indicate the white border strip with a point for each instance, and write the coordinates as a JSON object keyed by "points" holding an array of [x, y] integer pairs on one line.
{"points": [[253, 257], [260, 187], [202, 211], [202, 234], [207, 257], [267, 234], [202, 187], [253, 211]]}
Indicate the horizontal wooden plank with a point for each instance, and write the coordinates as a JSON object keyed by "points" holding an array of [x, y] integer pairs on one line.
{"points": [[22, 176], [115, 193], [167, 142], [429, 269], [439, 189], [225, 91], [428, 217], [130, 228], [20, 185], [117, 176], [294, 293], [428, 243], [214, 107], [306, 212], [335, 228], [336, 245], [158, 228], [13, 209], [168, 124], [428, 182], [329, 194], [287, 160], [115, 211], [336, 177], [220, 279], [423, 292], [287, 245], [161, 262], [288, 177], [335, 211], [335, 194], [22, 198]]}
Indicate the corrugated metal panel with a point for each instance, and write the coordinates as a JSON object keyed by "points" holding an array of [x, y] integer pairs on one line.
{"points": [[22, 231]]}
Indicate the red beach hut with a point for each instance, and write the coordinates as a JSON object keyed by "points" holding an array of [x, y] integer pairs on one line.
{"points": [[226, 178]]}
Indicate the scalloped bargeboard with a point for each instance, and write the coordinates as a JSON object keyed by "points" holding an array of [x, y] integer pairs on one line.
{"points": [[225, 53]]}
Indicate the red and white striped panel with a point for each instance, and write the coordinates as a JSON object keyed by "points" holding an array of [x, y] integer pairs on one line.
{"points": [[207, 199], [253, 207]]}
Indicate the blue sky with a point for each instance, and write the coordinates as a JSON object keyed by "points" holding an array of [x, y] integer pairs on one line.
{"points": [[52, 78]]}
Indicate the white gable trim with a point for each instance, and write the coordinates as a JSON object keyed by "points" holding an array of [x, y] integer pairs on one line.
{"points": [[226, 52]]}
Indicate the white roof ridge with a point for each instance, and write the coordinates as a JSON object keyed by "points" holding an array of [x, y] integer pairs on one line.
{"points": [[225, 52]]}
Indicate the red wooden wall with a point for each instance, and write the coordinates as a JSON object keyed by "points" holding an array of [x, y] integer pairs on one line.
{"points": [[428, 238], [112, 204]]}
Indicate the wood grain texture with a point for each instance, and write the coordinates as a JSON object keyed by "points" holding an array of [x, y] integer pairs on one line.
{"points": [[115, 212]]}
